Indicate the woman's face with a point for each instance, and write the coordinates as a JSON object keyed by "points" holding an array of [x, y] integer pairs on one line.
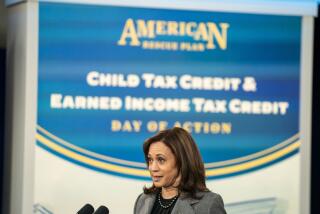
{"points": [[162, 165]]}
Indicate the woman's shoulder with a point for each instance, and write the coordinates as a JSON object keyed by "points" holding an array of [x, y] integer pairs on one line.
{"points": [[211, 200], [202, 195], [211, 195], [143, 198], [143, 201]]}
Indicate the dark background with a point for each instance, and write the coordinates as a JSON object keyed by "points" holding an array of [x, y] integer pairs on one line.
{"points": [[315, 154], [2, 104]]}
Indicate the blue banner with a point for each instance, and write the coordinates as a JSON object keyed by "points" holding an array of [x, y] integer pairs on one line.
{"points": [[110, 77]]}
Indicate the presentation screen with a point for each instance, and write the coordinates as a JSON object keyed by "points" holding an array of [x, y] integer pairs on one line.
{"points": [[109, 77]]}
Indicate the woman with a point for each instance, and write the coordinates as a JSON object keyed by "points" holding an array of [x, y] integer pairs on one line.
{"points": [[178, 176]]}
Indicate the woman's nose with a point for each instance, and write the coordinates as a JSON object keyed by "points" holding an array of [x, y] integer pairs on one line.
{"points": [[153, 166]]}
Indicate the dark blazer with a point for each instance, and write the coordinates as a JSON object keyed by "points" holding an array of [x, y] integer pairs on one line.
{"points": [[210, 203]]}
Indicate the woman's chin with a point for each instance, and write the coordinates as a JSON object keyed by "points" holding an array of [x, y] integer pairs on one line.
{"points": [[156, 184]]}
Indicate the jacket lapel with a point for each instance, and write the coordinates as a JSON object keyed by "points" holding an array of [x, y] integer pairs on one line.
{"points": [[148, 204], [184, 206]]}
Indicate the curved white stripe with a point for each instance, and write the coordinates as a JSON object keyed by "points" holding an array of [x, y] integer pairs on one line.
{"points": [[255, 155], [89, 153], [142, 165]]}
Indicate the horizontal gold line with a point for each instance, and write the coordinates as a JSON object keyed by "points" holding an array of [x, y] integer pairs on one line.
{"points": [[145, 173], [138, 164], [90, 161], [254, 163]]}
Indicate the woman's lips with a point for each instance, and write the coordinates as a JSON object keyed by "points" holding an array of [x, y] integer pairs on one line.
{"points": [[156, 178]]}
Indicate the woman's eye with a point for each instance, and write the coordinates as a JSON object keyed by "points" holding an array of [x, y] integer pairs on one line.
{"points": [[149, 160], [161, 160]]}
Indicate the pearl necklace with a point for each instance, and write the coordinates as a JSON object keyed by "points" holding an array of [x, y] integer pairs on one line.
{"points": [[171, 202]]}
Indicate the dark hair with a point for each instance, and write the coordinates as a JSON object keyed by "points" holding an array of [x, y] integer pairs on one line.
{"points": [[188, 160]]}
